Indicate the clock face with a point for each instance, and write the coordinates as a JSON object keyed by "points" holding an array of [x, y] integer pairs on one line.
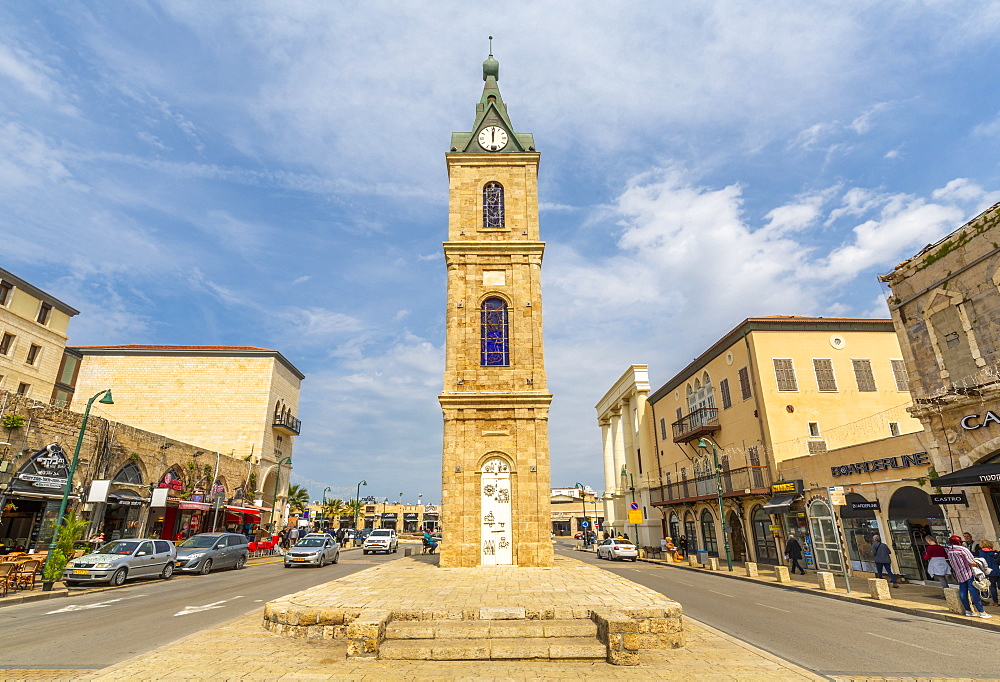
{"points": [[493, 138]]}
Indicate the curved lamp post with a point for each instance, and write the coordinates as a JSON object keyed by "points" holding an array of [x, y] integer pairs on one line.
{"points": [[106, 399], [357, 508], [703, 443], [322, 510], [274, 500]]}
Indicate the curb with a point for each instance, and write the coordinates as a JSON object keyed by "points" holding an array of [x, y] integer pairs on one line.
{"points": [[36, 596], [887, 605]]}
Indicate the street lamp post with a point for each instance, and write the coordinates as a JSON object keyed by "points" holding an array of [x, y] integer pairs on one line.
{"points": [[583, 498], [703, 443], [322, 510], [357, 508], [381, 519], [274, 500], [105, 397], [631, 487]]}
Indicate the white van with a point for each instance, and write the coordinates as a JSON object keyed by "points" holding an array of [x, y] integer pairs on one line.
{"points": [[381, 540]]}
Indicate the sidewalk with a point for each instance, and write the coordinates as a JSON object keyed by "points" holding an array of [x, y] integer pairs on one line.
{"points": [[917, 600]]}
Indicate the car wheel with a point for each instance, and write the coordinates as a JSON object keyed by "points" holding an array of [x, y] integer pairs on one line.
{"points": [[241, 562], [634, 559], [322, 561], [118, 578], [206, 567], [70, 583], [336, 557], [395, 548], [365, 551], [168, 571]]}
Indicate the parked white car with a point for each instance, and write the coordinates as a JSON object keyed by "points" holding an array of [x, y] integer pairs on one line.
{"points": [[617, 549], [381, 540]]}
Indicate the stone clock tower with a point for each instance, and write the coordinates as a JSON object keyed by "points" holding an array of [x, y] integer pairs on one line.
{"points": [[495, 401]]}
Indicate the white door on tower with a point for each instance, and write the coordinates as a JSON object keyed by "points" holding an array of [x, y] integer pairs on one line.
{"points": [[497, 533]]}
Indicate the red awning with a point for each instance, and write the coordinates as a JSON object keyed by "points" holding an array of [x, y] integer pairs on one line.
{"points": [[253, 511]]}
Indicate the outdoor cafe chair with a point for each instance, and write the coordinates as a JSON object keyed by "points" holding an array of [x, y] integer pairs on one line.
{"points": [[26, 574], [8, 570]]}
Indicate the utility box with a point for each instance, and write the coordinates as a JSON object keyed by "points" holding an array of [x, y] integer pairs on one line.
{"points": [[703, 557]]}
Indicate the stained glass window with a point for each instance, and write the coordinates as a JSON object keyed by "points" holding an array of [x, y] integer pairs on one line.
{"points": [[494, 333], [493, 205]]}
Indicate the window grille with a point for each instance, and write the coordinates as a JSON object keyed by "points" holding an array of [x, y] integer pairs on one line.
{"points": [[494, 329], [817, 447], [663, 428], [825, 379], [863, 375], [814, 429], [900, 374], [493, 209], [727, 400], [745, 384], [784, 371], [893, 429]]}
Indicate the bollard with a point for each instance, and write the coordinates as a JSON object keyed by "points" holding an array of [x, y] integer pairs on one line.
{"points": [[713, 564], [408, 551], [826, 582], [692, 560], [878, 588], [781, 574], [952, 601], [751, 569]]}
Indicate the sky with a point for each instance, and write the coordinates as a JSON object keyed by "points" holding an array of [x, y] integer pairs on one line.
{"points": [[273, 174]]}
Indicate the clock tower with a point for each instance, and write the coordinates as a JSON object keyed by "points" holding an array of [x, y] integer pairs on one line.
{"points": [[495, 478]]}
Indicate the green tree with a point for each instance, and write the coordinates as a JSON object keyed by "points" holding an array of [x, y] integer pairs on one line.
{"points": [[356, 508], [66, 534], [298, 498], [333, 509]]}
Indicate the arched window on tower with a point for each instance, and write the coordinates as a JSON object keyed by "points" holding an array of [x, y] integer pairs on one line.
{"points": [[493, 205], [494, 333]]}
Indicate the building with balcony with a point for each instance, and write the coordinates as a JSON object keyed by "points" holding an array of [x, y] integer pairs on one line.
{"points": [[33, 334], [772, 389], [630, 466], [945, 305], [235, 400]]}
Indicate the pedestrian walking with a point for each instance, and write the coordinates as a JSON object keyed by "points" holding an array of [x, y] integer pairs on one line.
{"points": [[992, 557], [793, 552], [881, 552], [683, 544], [937, 561], [962, 562], [970, 544]]}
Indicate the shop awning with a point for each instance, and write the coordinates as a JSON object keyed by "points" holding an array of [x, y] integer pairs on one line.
{"points": [[204, 506], [779, 504], [980, 474], [252, 511]]}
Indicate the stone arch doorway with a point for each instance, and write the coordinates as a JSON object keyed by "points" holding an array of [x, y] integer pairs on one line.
{"points": [[738, 539], [763, 539], [912, 517], [496, 532]]}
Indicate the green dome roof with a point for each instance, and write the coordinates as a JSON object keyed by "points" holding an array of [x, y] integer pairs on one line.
{"points": [[491, 67]]}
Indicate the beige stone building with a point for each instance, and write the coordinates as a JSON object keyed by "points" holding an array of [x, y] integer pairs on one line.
{"points": [[33, 334], [945, 305], [495, 403], [236, 400], [772, 389], [572, 507], [630, 466]]}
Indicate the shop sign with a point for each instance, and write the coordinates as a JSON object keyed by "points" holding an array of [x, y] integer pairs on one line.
{"points": [[787, 487], [916, 460], [969, 420], [861, 506], [950, 498], [429, 508], [774, 528], [171, 481], [47, 469]]}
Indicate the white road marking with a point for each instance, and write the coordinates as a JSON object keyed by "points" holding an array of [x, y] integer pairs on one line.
{"points": [[684, 583], [84, 607], [768, 606], [899, 641], [257, 601], [198, 609], [723, 594]]}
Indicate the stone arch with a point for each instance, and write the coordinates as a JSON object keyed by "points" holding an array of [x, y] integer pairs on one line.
{"points": [[980, 453]]}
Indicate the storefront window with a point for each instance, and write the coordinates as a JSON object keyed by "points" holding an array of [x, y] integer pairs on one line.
{"points": [[912, 518], [763, 540], [860, 527], [797, 524], [675, 527], [708, 533], [824, 536], [691, 530]]}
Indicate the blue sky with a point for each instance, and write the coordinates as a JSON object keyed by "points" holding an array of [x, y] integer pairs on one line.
{"points": [[273, 174]]}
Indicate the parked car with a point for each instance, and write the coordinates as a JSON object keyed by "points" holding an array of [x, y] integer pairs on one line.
{"points": [[315, 549], [578, 536], [617, 549], [381, 540], [202, 552], [117, 561]]}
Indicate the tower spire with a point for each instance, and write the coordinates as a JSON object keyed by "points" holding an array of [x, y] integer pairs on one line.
{"points": [[491, 67]]}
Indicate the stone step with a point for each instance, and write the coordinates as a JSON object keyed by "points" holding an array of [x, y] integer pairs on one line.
{"points": [[489, 629], [523, 649]]}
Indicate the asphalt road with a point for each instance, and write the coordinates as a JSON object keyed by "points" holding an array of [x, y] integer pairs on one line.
{"points": [[827, 636], [100, 628]]}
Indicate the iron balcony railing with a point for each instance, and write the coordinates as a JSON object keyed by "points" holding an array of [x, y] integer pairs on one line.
{"points": [[701, 421], [288, 424], [753, 478]]}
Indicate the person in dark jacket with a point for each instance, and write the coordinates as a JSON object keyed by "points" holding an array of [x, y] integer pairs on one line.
{"points": [[683, 544], [881, 552], [793, 550]]}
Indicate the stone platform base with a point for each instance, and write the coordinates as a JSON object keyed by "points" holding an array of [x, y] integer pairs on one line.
{"points": [[410, 609]]}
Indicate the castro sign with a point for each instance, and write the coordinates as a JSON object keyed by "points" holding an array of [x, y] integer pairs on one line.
{"points": [[971, 422]]}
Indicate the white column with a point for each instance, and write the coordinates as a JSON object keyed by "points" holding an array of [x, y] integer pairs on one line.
{"points": [[617, 428], [609, 455]]}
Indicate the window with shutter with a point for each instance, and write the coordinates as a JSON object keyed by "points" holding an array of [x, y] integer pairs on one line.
{"points": [[825, 379], [901, 376], [745, 393], [727, 401], [784, 372], [864, 376]]}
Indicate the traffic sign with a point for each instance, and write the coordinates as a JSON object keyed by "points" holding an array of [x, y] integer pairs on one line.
{"points": [[633, 505], [585, 524]]}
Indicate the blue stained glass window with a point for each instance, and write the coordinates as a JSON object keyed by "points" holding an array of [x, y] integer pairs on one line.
{"points": [[494, 333], [493, 205]]}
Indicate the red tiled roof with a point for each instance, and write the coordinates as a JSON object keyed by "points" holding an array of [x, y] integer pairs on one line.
{"points": [[826, 319], [136, 346]]}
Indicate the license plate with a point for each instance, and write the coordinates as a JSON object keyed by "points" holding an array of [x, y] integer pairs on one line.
{"points": [[298, 559], [78, 572]]}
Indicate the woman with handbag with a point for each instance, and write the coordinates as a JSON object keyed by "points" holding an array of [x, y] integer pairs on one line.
{"points": [[992, 558], [962, 565], [937, 561]]}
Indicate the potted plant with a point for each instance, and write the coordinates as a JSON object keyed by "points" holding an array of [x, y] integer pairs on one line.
{"points": [[66, 535], [53, 570], [12, 421]]}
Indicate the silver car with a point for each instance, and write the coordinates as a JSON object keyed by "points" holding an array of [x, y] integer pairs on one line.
{"points": [[313, 550], [205, 551], [120, 560]]}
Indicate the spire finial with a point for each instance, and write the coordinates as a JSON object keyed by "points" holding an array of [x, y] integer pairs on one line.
{"points": [[491, 67]]}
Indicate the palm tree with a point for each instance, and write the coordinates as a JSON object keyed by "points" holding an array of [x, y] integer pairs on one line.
{"points": [[298, 498], [333, 509], [356, 508]]}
